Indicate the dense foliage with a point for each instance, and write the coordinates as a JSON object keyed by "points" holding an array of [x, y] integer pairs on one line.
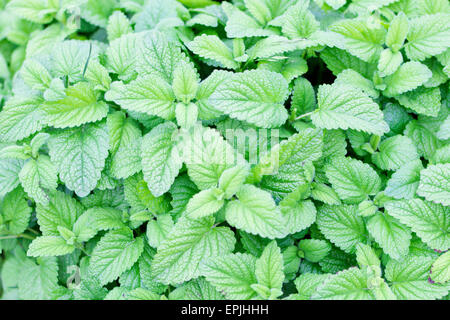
{"points": [[253, 149]]}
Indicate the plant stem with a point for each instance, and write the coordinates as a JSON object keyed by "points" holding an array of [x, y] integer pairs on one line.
{"points": [[304, 115], [22, 235], [34, 231]]}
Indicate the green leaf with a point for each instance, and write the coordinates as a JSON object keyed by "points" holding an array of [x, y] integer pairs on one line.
{"points": [[444, 130], [342, 225], [200, 289], [392, 236], [408, 279], [303, 96], [9, 174], [232, 274], [15, 211], [353, 78], [20, 118], [35, 75], [161, 161], [158, 230], [404, 182], [352, 179], [397, 32], [255, 212], [207, 155], [299, 214], [96, 219], [351, 284], [428, 220], [206, 110], [299, 22], [408, 76], [255, 96], [124, 141], [395, 152], [98, 11], [157, 57], [422, 100], [185, 82], [360, 39], [424, 139], [70, 58], [338, 60], [428, 36], [389, 62], [38, 278], [232, 179], [366, 257], [288, 164], [190, 244], [118, 25], [269, 267], [49, 246], [79, 155], [147, 94], [435, 183], [38, 177], [344, 107], [98, 76], [37, 11], [271, 47], [314, 250], [240, 25], [205, 203], [159, 15], [211, 47], [121, 56], [115, 253], [307, 284], [440, 271], [61, 211], [181, 191]]}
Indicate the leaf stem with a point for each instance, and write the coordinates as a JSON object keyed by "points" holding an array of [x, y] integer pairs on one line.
{"points": [[33, 231], [304, 115], [22, 235]]}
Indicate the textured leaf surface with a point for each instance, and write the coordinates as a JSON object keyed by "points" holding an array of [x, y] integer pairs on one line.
{"points": [[341, 225], [190, 243], [255, 212], [115, 253], [253, 96], [428, 220], [233, 274], [79, 156], [435, 183], [344, 107], [352, 179], [160, 158]]}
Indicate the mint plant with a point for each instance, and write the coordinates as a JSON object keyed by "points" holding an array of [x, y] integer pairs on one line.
{"points": [[244, 149]]}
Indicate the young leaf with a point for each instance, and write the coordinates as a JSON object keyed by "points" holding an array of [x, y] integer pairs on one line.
{"points": [[160, 158], [435, 183], [79, 155], [115, 253], [341, 225], [211, 47], [190, 244], [255, 96], [428, 220], [233, 274], [352, 179], [344, 107], [255, 212]]}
